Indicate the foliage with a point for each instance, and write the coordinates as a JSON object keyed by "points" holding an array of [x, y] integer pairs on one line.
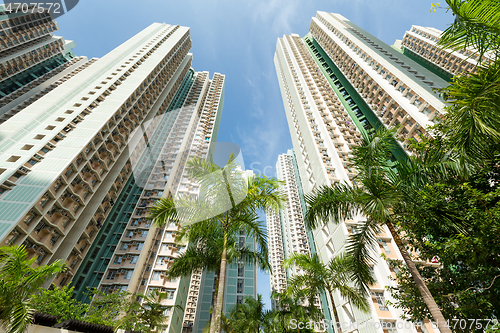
{"points": [[336, 275], [227, 204], [371, 195], [59, 302], [104, 308], [466, 284], [476, 26], [456, 219], [147, 313], [472, 120], [142, 313], [19, 280], [381, 192], [205, 251], [247, 317], [288, 309]]}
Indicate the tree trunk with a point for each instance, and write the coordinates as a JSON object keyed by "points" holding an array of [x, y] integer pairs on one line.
{"points": [[419, 281], [335, 313], [220, 292], [212, 322]]}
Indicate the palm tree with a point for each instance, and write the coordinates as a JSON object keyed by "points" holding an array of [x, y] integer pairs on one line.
{"points": [[228, 201], [376, 192], [289, 308], [247, 317], [148, 311], [205, 253], [18, 282], [476, 26], [318, 277], [472, 120]]}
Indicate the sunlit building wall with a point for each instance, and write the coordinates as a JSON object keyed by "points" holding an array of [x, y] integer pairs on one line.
{"points": [[337, 82]]}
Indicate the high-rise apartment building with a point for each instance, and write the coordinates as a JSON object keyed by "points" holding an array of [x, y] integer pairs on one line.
{"points": [[420, 44], [286, 228], [84, 159], [32, 60], [336, 82], [64, 158]]}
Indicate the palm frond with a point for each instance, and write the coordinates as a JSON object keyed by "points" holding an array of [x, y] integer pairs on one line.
{"points": [[476, 26], [336, 203], [359, 246], [474, 111]]}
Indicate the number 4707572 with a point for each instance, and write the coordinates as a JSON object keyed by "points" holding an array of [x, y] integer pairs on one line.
{"points": [[32, 7]]}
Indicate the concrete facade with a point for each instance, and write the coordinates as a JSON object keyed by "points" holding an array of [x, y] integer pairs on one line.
{"points": [[337, 82]]}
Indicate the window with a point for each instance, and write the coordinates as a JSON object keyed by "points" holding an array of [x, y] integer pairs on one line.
{"points": [[240, 286], [134, 259], [241, 270], [388, 326], [170, 293], [379, 297], [386, 247], [118, 260], [156, 276], [128, 274], [373, 274], [426, 111], [27, 147], [123, 246], [139, 246], [111, 275]]}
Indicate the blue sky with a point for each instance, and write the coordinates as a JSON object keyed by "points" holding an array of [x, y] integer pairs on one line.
{"points": [[238, 38]]}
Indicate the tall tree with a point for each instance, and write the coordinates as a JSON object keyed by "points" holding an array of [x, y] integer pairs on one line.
{"points": [[333, 276], [205, 252], [18, 282], [376, 191], [247, 317], [228, 201], [293, 313], [147, 313], [466, 283]]}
